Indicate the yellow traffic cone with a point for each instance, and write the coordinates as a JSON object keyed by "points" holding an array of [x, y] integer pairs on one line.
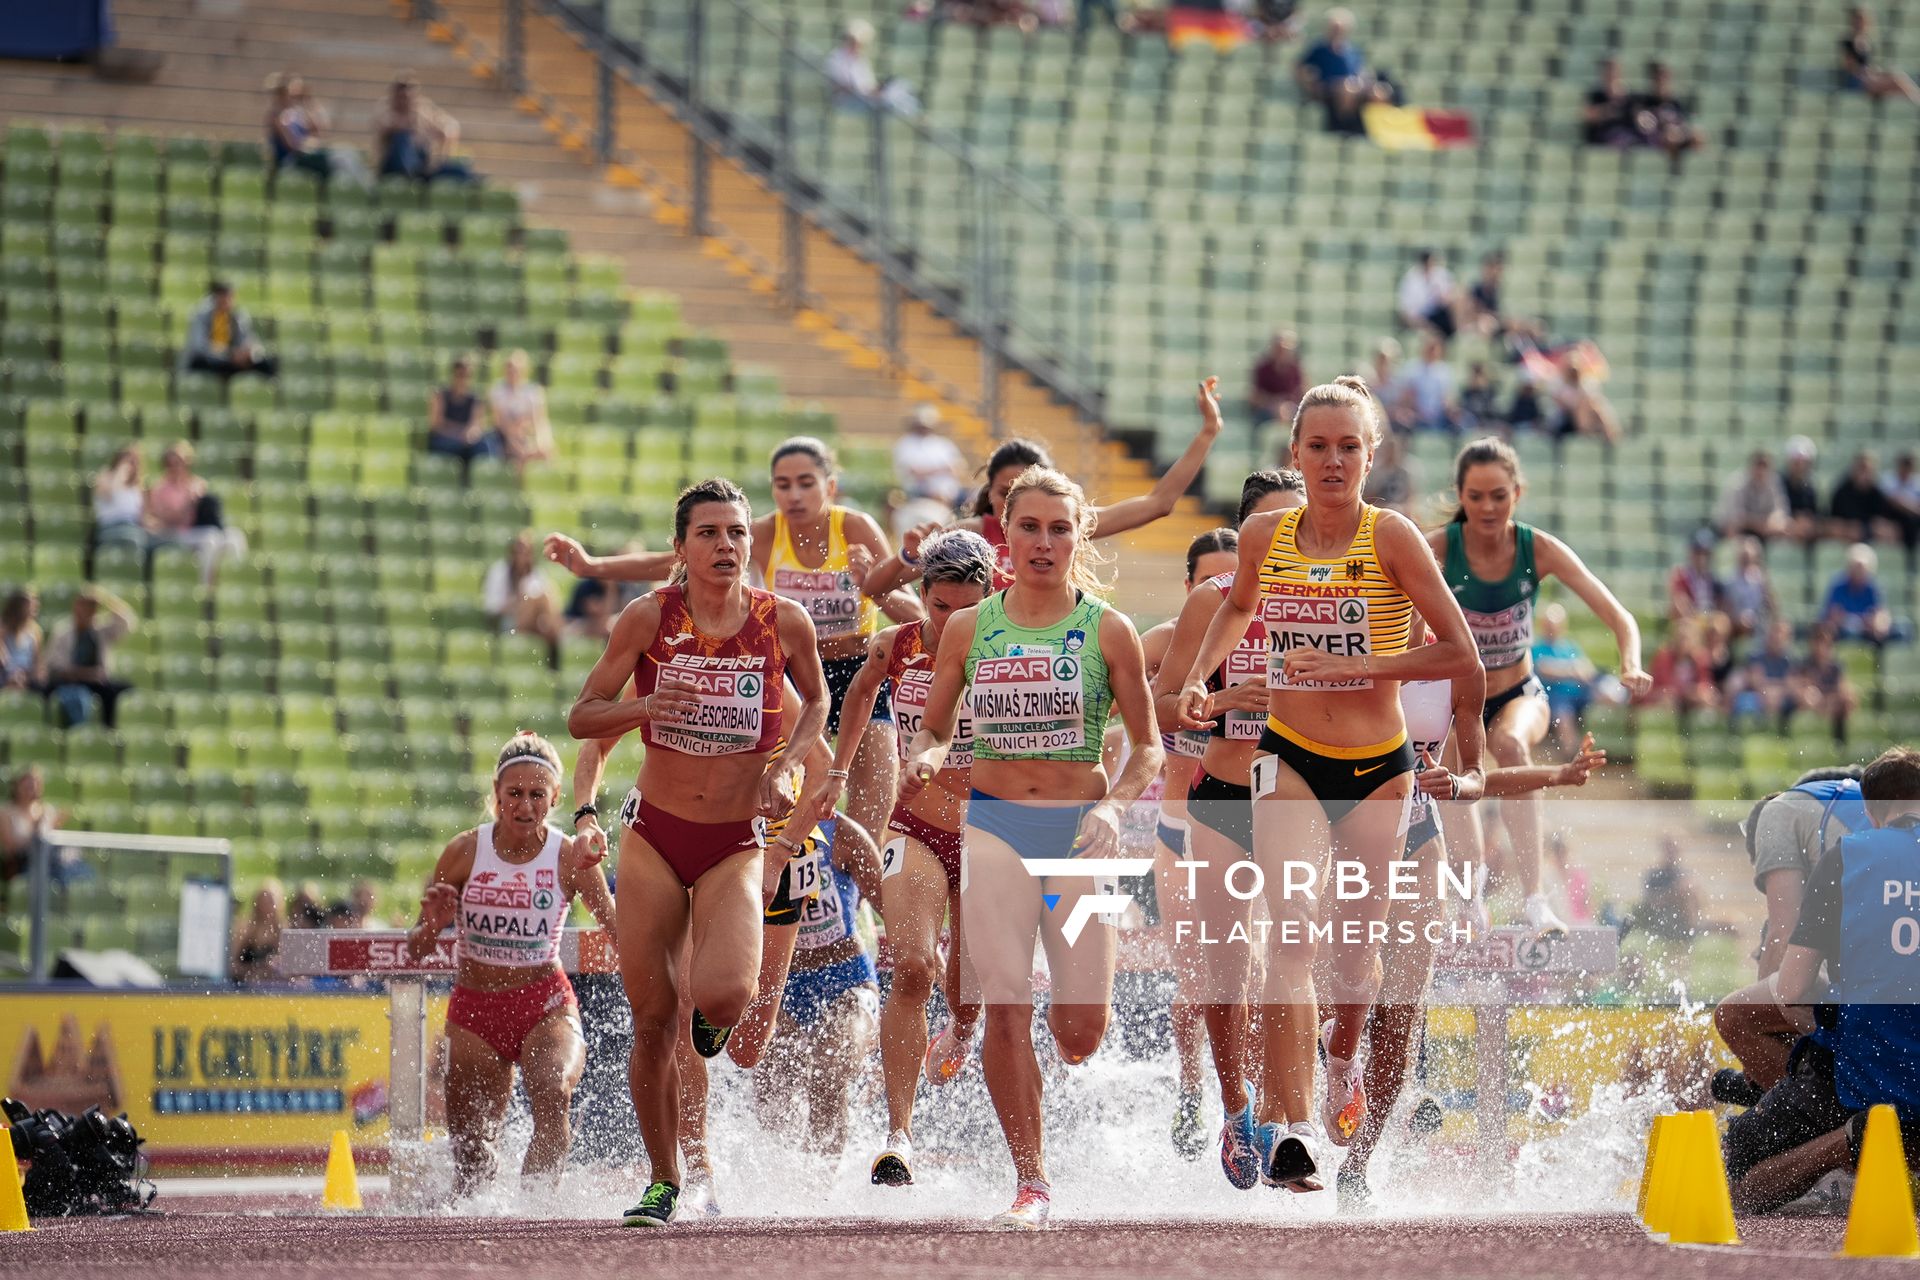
{"points": [[1703, 1205], [13, 1201], [343, 1184], [1880, 1221], [1643, 1199], [1669, 1150]]}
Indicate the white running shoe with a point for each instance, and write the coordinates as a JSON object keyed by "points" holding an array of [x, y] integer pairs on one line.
{"points": [[946, 1055], [893, 1167], [698, 1197], [1540, 916], [1344, 1105], [1031, 1205]]}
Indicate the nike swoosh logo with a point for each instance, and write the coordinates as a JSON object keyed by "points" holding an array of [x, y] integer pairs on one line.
{"points": [[1361, 773]]}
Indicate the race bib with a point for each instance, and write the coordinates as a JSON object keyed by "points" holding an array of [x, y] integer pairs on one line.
{"points": [[806, 872], [893, 857], [1339, 624], [829, 596], [823, 920], [910, 710], [1030, 701], [1246, 662], [1503, 637], [727, 721]]}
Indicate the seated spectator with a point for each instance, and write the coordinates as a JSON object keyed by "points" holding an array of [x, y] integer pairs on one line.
{"points": [[1278, 381], [256, 940], [1607, 118], [307, 909], [1753, 502], [1855, 607], [518, 597], [1334, 73], [1393, 481], [1682, 669], [926, 464], [1477, 408], [1663, 118], [1669, 905], [220, 338], [520, 414], [120, 502], [1525, 410], [1569, 675], [183, 512], [1820, 683], [364, 902], [1481, 307], [1860, 73], [457, 423], [415, 139], [590, 610], [1387, 383], [1764, 688], [1692, 588], [80, 657], [25, 820], [1803, 496], [1858, 510], [1426, 296], [1747, 594], [1902, 493], [1426, 389], [23, 650], [294, 125], [856, 86]]}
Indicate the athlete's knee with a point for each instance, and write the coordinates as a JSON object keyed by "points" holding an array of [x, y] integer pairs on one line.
{"points": [[723, 998], [1509, 748], [1290, 976], [914, 973], [1078, 1030]]}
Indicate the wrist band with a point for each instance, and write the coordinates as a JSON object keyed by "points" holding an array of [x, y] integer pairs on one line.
{"points": [[911, 561], [782, 839], [588, 808], [842, 774]]}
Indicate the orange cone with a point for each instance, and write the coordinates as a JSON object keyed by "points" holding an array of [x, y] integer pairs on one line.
{"points": [[1880, 1221]]}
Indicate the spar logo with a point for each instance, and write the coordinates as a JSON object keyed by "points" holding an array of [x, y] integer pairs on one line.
{"points": [[1103, 895], [748, 685], [1352, 612], [542, 899], [1065, 669]]}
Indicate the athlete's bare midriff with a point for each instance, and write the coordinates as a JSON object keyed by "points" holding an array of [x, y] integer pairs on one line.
{"points": [[1501, 679], [1341, 718], [703, 788], [1041, 781]]}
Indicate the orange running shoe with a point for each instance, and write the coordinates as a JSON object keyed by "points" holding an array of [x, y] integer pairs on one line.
{"points": [[1344, 1107], [946, 1055], [1031, 1205]]}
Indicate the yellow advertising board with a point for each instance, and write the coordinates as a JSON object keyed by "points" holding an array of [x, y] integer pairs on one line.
{"points": [[209, 1078]]}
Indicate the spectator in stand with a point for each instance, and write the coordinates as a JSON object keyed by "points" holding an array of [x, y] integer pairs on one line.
{"points": [[1334, 73], [1764, 688], [1902, 493], [1278, 381], [415, 139], [856, 87], [1393, 481], [1481, 307], [518, 597], [1568, 674], [1859, 73], [589, 613], [1478, 411], [183, 512], [1427, 389], [1607, 118], [1427, 295], [364, 901], [1385, 379], [457, 423], [1858, 509], [80, 656], [1525, 410], [120, 502], [928, 468], [308, 907], [1803, 496], [520, 414], [25, 820], [220, 338], [1820, 683], [1747, 595], [1669, 904], [1692, 588], [23, 649], [295, 123], [1682, 669], [1855, 607], [1664, 119], [256, 942], [1753, 502]]}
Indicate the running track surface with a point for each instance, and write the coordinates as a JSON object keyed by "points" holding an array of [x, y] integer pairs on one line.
{"points": [[215, 1241]]}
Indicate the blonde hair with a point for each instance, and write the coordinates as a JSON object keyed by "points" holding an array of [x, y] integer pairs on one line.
{"points": [[524, 747], [1083, 571], [1350, 393]]}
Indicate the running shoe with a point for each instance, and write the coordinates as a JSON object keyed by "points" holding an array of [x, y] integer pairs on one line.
{"points": [[1286, 1157], [1344, 1106], [1031, 1205], [1427, 1117], [946, 1055], [1355, 1196], [708, 1040], [698, 1197], [1731, 1086], [1541, 918], [1238, 1158], [893, 1167], [655, 1208], [1189, 1133]]}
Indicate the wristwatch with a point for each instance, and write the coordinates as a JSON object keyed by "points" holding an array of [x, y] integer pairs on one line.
{"points": [[588, 808]]}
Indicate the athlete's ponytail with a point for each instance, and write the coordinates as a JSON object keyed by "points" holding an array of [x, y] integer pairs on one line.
{"points": [[1484, 451], [1209, 543], [1011, 453], [1261, 483], [1083, 570], [1348, 392]]}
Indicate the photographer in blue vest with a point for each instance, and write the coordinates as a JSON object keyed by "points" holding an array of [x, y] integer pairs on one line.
{"points": [[1861, 919], [1787, 834]]}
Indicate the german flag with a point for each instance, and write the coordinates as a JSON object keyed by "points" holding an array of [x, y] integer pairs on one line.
{"points": [[1224, 31], [1417, 128]]}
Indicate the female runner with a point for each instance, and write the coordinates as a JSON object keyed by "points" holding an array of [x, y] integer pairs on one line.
{"points": [[1494, 566], [1208, 555], [707, 657], [1335, 582], [921, 860], [1014, 457], [1044, 664], [1220, 815], [507, 886]]}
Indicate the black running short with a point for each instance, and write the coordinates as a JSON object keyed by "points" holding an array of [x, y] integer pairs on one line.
{"points": [[1527, 688], [1224, 808], [1339, 782]]}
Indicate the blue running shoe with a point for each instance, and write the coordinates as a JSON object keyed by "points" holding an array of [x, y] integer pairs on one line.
{"points": [[1238, 1158], [1265, 1138]]}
